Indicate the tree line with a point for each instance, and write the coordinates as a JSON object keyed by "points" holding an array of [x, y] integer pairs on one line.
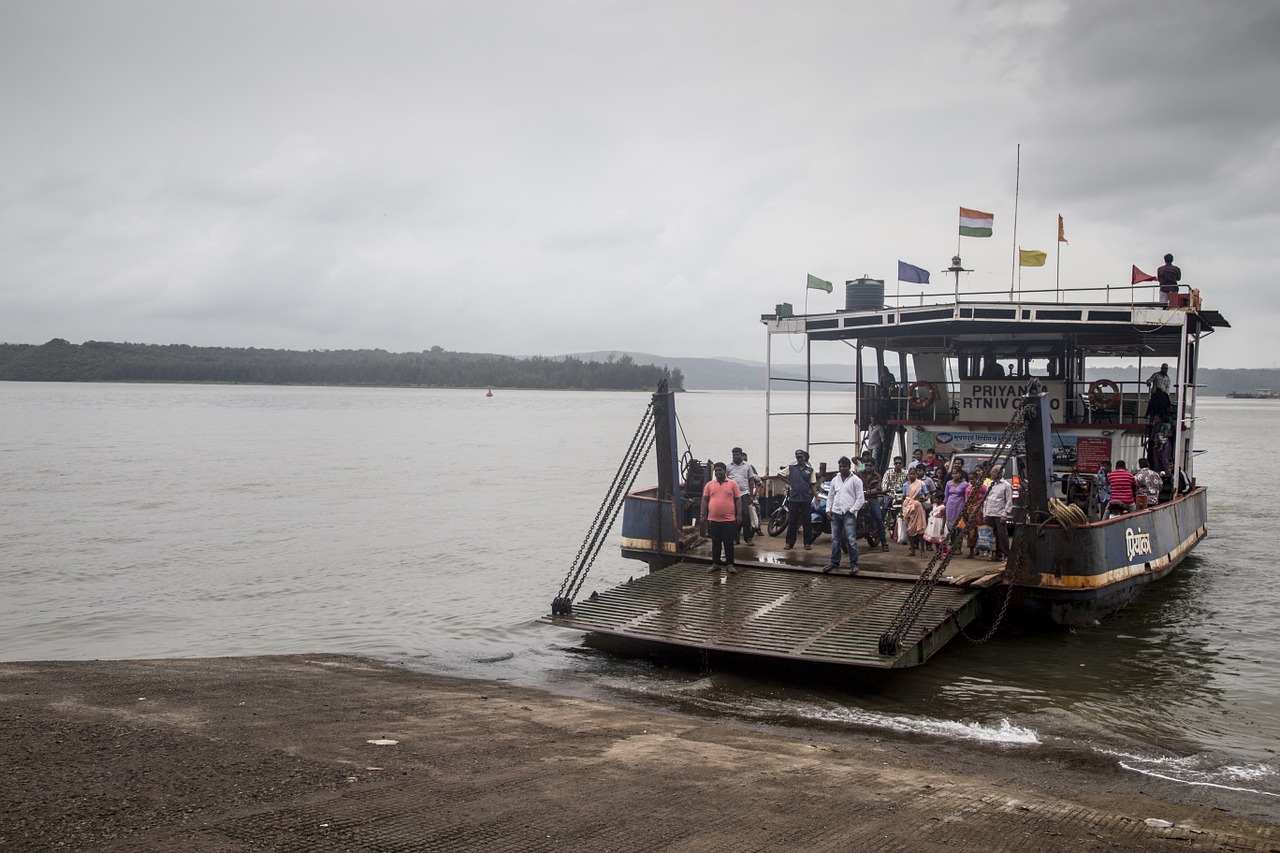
{"points": [[104, 361]]}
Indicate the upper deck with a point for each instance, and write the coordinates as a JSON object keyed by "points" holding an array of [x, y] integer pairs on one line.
{"points": [[1099, 329]]}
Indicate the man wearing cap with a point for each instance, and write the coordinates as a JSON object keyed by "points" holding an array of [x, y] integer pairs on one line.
{"points": [[802, 489], [742, 473]]}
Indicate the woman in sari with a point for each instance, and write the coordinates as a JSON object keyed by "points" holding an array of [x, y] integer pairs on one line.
{"points": [[977, 494], [914, 495]]}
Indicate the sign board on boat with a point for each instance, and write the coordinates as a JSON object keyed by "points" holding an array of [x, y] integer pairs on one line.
{"points": [[995, 399]]}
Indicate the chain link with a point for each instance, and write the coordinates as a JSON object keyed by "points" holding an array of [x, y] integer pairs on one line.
{"points": [[1013, 438]]}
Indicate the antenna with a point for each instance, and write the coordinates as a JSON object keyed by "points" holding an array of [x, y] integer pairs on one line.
{"points": [[956, 268]]}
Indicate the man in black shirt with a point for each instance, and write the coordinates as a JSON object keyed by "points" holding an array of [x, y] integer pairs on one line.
{"points": [[1168, 276]]}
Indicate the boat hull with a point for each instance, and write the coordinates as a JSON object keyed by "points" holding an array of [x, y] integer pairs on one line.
{"points": [[1079, 576]]}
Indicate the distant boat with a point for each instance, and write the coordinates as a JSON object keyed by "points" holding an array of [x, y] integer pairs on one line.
{"points": [[489, 393], [1260, 394]]}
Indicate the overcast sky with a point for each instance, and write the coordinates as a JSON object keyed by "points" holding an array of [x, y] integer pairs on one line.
{"points": [[575, 175]]}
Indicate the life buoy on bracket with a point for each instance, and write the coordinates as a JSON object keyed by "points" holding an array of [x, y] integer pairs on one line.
{"points": [[1104, 394], [918, 402]]}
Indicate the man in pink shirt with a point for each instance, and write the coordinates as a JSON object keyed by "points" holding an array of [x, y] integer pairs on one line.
{"points": [[720, 510]]}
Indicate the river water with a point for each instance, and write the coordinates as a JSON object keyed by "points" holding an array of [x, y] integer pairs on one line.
{"points": [[433, 528]]}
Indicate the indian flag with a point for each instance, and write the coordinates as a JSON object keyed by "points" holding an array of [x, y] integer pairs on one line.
{"points": [[975, 223]]}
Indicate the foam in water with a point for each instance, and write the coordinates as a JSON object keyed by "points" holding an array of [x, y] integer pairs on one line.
{"points": [[762, 710], [1003, 732], [1201, 770]]}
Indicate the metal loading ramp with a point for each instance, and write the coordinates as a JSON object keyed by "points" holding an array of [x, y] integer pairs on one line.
{"points": [[778, 613]]}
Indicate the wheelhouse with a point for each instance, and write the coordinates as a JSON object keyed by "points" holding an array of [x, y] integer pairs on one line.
{"points": [[947, 376]]}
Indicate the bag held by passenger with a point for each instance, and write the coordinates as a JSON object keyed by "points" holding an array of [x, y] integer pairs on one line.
{"points": [[986, 538]]}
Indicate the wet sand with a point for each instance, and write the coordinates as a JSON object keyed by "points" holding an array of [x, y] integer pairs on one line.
{"points": [[274, 753]]}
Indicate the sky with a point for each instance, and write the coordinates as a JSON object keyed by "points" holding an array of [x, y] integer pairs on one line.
{"points": [[580, 175]]}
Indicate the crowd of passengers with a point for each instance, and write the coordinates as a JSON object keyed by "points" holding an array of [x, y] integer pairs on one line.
{"points": [[932, 495]]}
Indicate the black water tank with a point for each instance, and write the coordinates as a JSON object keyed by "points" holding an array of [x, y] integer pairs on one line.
{"points": [[864, 294]]}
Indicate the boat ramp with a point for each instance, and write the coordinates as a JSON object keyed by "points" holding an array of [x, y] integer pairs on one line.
{"points": [[780, 604]]}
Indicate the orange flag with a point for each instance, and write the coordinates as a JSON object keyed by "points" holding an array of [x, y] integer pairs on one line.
{"points": [[1062, 237]]}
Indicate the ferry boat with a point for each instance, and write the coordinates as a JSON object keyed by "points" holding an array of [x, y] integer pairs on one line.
{"points": [[966, 370], [1260, 394]]}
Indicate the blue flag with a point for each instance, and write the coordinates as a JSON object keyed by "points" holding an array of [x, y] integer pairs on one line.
{"points": [[913, 274]]}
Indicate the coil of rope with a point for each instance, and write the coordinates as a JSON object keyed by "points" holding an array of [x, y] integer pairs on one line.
{"points": [[1068, 515]]}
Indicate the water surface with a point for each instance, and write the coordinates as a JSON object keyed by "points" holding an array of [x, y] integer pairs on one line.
{"points": [[434, 527]]}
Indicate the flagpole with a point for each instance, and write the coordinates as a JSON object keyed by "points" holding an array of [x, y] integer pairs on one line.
{"points": [[1057, 265], [1017, 180]]}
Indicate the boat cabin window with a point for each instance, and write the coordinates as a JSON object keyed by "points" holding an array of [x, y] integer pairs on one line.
{"points": [[988, 366]]}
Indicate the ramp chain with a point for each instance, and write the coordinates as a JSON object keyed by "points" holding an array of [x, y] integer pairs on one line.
{"points": [[905, 620], [623, 480]]}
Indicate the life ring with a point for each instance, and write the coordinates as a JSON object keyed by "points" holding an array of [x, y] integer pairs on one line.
{"points": [[1100, 400], [930, 397]]}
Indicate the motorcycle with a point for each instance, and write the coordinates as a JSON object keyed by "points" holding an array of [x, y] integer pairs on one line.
{"points": [[819, 521]]}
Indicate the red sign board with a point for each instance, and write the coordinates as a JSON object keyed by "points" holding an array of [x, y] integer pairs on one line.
{"points": [[1092, 452]]}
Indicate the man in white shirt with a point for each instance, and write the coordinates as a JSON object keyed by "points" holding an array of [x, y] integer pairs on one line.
{"points": [[874, 440], [996, 509], [843, 502], [1159, 403], [742, 473]]}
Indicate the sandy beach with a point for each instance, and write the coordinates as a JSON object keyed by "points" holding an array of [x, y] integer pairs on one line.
{"points": [[324, 752]]}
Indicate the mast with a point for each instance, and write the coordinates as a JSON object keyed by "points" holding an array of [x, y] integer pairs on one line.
{"points": [[1017, 180]]}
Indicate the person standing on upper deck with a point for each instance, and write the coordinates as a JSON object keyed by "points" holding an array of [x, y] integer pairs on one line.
{"points": [[742, 473], [720, 512], [1168, 277], [845, 500], [995, 510], [802, 488]]}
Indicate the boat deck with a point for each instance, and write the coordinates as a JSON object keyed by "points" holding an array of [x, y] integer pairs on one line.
{"points": [[780, 604]]}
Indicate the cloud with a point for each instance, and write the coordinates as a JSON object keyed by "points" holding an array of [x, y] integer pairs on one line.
{"points": [[571, 176]]}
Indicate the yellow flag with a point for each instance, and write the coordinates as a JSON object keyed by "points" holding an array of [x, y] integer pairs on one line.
{"points": [[1031, 258]]}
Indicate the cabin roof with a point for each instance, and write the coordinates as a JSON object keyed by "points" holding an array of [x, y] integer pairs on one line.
{"points": [[1095, 329]]}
